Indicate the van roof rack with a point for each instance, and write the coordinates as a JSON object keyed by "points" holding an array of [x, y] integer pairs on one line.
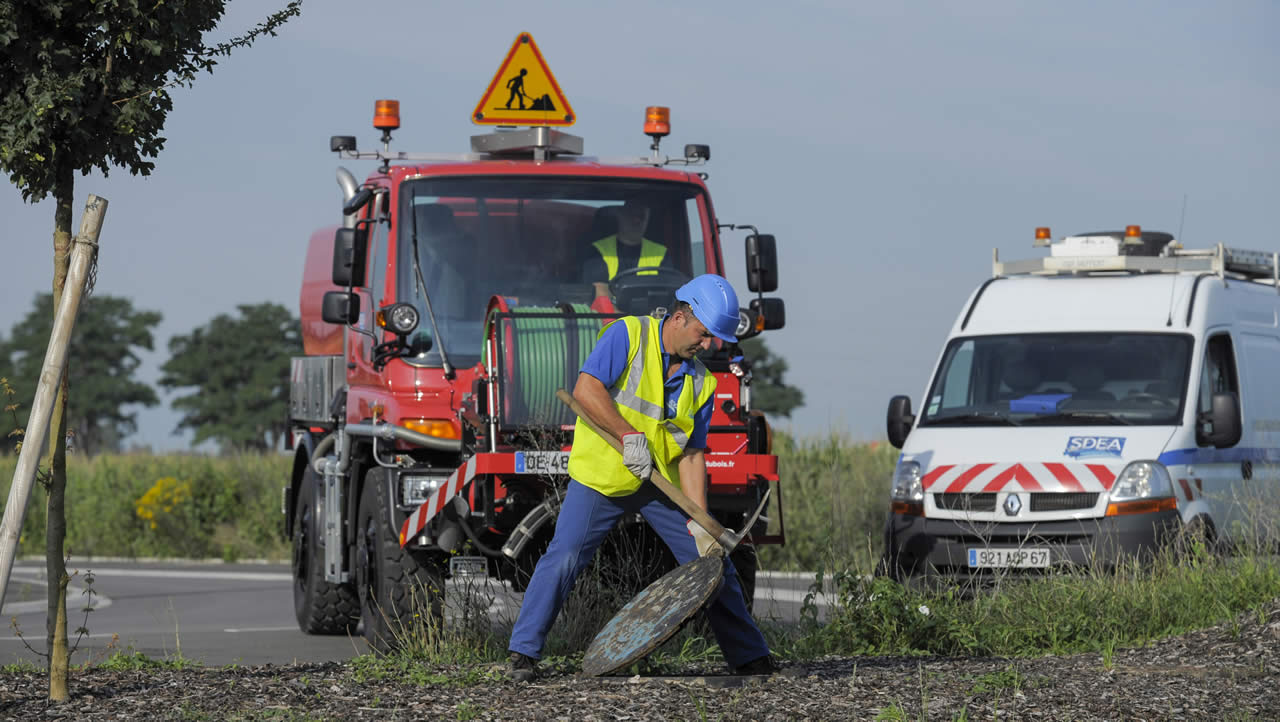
{"points": [[1220, 260]]}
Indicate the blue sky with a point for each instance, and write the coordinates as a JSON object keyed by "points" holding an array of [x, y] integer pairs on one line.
{"points": [[888, 146]]}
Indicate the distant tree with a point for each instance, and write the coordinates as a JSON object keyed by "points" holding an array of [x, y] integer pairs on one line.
{"points": [[239, 370], [104, 344], [83, 85], [769, 392]]}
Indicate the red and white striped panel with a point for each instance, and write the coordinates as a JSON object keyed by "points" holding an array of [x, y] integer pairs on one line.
{"points": [[419, 518], [974, 478]]}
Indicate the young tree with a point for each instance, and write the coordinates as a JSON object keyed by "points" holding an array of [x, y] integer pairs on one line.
{"points": [[239, 370], [769, 392], [83, 86], [104, 345]]}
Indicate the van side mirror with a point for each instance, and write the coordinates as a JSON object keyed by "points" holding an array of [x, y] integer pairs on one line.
{"points": [[1220, 427], [899, 420], [340, 307], [762, 263], [350, 247], [773, 310]]}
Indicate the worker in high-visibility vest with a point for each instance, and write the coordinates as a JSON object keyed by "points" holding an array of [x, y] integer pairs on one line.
{"points": [[625, 250], [643, 383]]}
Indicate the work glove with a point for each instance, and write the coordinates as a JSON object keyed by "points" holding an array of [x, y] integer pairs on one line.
{"points": [[707, 544], [635, 454]]}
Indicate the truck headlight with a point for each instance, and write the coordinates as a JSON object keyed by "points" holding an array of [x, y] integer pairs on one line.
{"points": [[417, 488], [1142, 480], [907, 484]]}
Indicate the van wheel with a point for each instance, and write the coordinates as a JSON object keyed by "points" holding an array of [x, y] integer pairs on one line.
{"points": [[321, 607], [394, 584], [747, 562], [1198, 532]]}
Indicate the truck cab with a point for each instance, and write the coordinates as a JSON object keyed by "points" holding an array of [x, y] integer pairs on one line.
{"points": [[440, 316]]}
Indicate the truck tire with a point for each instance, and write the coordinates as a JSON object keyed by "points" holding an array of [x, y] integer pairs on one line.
{"points": [[321, 607], [393, 583], [747, 562]]}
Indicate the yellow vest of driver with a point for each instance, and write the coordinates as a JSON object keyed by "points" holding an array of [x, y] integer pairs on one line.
{"points": [[651, 254], [639, 394]]}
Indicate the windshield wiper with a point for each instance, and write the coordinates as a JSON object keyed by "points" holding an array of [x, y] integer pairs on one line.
{"points": [[422, 286], [1105, 417], [976, 418]]}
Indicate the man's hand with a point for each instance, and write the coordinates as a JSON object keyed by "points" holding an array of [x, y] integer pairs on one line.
{"points": [[635, 454], [707, 544]]}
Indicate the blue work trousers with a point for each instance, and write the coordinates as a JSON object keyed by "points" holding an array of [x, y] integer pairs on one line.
{"points": [[586, 517]]}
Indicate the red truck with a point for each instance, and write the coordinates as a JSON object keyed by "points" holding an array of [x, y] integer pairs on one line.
{"points": [[438, 321]]}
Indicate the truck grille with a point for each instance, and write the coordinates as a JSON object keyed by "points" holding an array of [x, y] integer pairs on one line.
{"points": [[1050, 501], [966, 502]]}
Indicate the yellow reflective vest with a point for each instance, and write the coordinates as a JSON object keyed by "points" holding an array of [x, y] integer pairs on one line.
{"points": [[651, 254], [640, 397]]}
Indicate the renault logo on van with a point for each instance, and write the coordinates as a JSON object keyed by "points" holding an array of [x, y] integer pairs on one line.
{"points": [[1012, 505]]}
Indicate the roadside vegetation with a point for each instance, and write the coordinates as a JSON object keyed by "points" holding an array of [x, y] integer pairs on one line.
{"points": [[835, 497]]}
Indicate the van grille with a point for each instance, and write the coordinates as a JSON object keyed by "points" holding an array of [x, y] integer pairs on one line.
{"points": [[1049, 501], [966, 502]]}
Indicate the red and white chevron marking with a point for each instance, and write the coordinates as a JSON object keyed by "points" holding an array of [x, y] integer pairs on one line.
{"points": [[973, 478], [419, 518]]}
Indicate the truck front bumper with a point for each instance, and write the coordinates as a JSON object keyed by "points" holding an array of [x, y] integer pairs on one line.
{"points": [[917, 545]]}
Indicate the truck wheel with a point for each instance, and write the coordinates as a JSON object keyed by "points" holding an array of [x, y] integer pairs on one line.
{"points": [[746, 561], [394, 584], [321, 607]]}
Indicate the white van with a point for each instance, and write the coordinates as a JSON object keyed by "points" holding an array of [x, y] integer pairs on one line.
{"points": [[1089, 404]]}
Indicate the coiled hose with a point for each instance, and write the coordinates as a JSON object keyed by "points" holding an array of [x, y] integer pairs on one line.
{"points": [[547, 353]]}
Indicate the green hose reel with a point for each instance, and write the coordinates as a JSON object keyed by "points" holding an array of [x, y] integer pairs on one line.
{"points": [[542, 349]]}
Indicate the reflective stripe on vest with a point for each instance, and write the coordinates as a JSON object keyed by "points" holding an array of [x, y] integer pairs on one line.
{"points": [[651, 254], [640, 394]]}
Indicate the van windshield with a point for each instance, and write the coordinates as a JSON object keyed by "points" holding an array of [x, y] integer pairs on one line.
{"points": [[541, 241], [1060, 379]]}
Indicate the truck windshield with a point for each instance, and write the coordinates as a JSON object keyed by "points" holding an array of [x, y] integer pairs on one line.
{"points": [[542, 241], [1060, 379]]}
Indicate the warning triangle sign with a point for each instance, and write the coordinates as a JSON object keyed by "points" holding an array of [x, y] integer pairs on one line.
{"points": [[523, 91]]}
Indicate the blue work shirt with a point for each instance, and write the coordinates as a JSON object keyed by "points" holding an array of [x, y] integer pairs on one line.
{"points": [[609, 359]]}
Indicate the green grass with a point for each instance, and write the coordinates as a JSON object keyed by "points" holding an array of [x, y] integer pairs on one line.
{"points": [[1061, 613], [230, 509], [835, 496], [129, 661]]}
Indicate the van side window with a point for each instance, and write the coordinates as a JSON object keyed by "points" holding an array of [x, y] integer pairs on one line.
{"points": [[1218, 374]]}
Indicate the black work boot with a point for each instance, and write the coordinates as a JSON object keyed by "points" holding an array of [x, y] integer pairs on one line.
{"points": [[523, 668], [760, 665]]}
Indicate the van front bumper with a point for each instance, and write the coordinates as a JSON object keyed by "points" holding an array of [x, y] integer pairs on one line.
{"points": [[917, 545]]}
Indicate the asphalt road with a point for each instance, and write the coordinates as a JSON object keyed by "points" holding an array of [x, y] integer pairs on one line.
{"points": [[235, 613]]}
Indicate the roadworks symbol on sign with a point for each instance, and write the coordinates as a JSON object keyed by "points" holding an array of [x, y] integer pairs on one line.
{"points": [[523, 91]]}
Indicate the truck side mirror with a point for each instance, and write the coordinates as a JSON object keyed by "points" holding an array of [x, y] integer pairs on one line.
{"points": [[899, 420], [350, 247], [762, 263], [357, 201], [340, 307], [773, 310], [1220, 427]]}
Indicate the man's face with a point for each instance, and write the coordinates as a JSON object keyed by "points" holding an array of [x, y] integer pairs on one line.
{"points": [[690, 335], [632, 220]]}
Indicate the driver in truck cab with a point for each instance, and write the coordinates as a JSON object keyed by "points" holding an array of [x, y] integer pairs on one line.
{"points": [[624, 250]]}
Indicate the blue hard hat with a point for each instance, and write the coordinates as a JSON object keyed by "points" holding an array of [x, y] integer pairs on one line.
{"points": [[714, 304]]}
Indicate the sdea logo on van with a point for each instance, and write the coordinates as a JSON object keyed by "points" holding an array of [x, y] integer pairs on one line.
{"points": [[1082, 446]]}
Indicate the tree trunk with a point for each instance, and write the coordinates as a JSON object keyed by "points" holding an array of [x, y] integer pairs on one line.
{"points": [[56, 524]]}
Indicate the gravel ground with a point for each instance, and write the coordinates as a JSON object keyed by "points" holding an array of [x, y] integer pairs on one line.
{"points": [[1230, 671]]}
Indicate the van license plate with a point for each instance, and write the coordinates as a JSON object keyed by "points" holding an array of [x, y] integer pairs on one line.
{"points": [[1008, 558]]}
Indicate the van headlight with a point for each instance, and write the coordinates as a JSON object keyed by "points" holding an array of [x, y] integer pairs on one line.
{"points": [[1142, 480], [907, 484]]}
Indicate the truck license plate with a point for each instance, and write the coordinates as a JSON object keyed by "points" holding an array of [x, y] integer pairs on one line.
{"points": [[542, 462], [986, 557]]}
